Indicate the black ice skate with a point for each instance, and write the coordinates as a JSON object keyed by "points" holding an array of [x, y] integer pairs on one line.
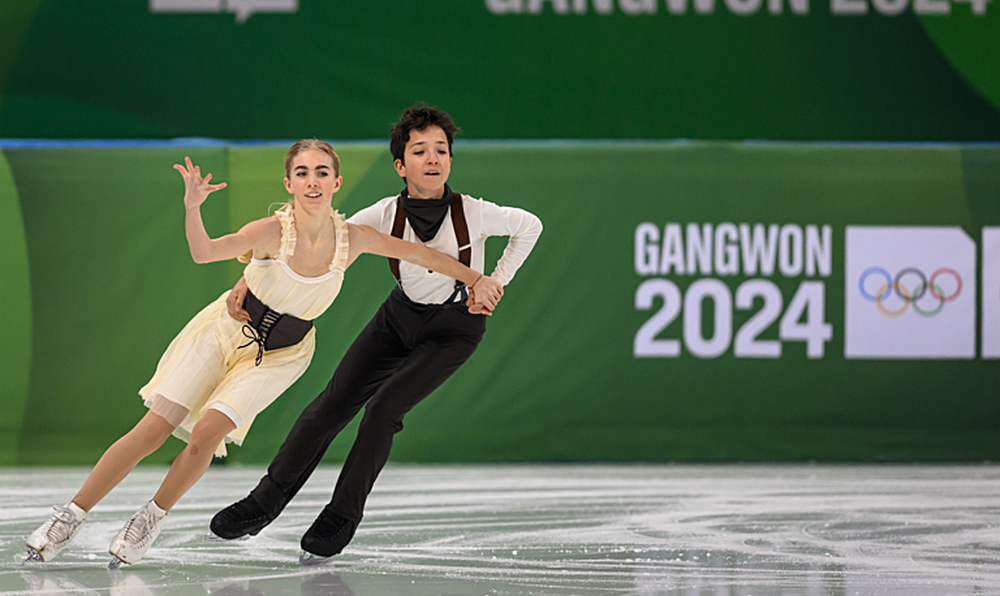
{"points": [[239, 521], [327, 536]]}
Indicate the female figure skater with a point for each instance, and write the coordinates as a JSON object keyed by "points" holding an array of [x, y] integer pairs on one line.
{"points": [[212, 381]]}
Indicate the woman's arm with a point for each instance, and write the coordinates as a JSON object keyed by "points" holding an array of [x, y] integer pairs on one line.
{"points": [[365, 239], [203, 248], [234, 302]]}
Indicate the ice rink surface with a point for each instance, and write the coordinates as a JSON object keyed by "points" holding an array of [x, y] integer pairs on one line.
{"points": [[734, 530]]}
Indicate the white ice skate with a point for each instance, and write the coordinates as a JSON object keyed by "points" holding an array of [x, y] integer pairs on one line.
{"points": [[48, 540], [137, 535]]}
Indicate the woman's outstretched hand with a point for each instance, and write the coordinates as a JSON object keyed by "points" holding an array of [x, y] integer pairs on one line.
{"points": [[196, 188]]}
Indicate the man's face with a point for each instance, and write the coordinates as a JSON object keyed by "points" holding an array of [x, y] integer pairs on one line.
{"points": [[426, 163]]}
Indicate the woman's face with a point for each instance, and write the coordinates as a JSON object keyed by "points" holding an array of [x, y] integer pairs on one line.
{"points": [[312, 180]]}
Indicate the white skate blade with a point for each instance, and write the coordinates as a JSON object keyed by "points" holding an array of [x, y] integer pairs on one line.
{"points": [[307, 558], [212, 537]]}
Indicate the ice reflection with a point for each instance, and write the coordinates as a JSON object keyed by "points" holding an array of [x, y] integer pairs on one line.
{"points": [[560, 530], [322, 583], [55, 584], [124, 583]]}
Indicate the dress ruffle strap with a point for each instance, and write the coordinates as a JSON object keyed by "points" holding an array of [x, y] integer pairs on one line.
{"points": [[343, 242], [286, 216]]}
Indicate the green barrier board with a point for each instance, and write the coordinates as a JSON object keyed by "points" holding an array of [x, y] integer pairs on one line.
{"points": [[686, 301]]}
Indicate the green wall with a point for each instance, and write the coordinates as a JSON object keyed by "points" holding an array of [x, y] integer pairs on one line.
{"points": [[98, 280]]}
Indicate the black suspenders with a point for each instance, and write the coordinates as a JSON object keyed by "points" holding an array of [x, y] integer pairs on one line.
{"points": [[461, 233]]}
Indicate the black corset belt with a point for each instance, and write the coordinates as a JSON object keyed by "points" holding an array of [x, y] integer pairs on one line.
{"points": [[271, 330]]}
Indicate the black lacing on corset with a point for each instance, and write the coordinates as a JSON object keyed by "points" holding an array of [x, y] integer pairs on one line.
{"points": [[260, 337], [269, 329]]}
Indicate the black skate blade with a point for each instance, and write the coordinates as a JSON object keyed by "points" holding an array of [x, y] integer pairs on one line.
{"points": [[213, 537], [307, 558], [115, 563]]}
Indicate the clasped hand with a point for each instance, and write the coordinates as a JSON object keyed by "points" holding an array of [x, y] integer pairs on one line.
{"points": [[484, 296]]}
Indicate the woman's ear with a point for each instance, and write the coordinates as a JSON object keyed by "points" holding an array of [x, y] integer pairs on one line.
{"points": [[288, 185]]}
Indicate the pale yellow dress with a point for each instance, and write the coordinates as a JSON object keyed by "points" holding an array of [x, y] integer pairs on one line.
{"points": [[204, 365]]}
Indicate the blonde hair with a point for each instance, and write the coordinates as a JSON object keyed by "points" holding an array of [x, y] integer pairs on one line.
{"points": [[299, 147], [307, 145]]}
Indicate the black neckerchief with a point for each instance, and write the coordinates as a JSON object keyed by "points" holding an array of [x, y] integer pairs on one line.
{"points": [[426, 215]]}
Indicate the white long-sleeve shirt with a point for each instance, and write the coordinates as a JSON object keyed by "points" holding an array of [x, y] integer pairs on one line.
{"points": [[484, 219]]}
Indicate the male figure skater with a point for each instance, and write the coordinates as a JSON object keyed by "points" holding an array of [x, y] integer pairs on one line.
{"points": [[419, 337]]}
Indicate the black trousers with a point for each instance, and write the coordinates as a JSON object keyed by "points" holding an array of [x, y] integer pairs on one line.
{"points": [[404, 353]]}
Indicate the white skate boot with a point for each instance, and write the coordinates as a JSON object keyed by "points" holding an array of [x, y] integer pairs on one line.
{"points": [[137, 535], [53, 536]]}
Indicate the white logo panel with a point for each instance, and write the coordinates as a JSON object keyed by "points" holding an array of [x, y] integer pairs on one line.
{"points": [[991, 293], [910, 293], [243, 9]]}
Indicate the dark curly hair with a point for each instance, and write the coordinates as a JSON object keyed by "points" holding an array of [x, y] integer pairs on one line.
{"points": [[419, 117]]}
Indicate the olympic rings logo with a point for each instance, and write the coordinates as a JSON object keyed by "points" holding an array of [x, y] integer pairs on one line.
{"points": [[894, 284]]}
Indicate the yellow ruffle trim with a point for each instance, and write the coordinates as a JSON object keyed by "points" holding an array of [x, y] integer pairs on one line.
{"points": [[286, 215]]}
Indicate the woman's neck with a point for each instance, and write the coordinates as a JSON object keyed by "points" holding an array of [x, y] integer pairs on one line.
{"points": [[312, 226]]}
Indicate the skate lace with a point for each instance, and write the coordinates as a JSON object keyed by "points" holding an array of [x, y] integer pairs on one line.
{"points": [[62, 526], [137, 528], [331, 525], [245, 510]]}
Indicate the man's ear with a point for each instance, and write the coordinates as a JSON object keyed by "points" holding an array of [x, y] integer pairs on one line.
{"points": [[400, 168]]}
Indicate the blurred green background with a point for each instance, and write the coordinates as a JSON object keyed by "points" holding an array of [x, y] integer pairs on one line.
{"points": [[344, 70]]}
